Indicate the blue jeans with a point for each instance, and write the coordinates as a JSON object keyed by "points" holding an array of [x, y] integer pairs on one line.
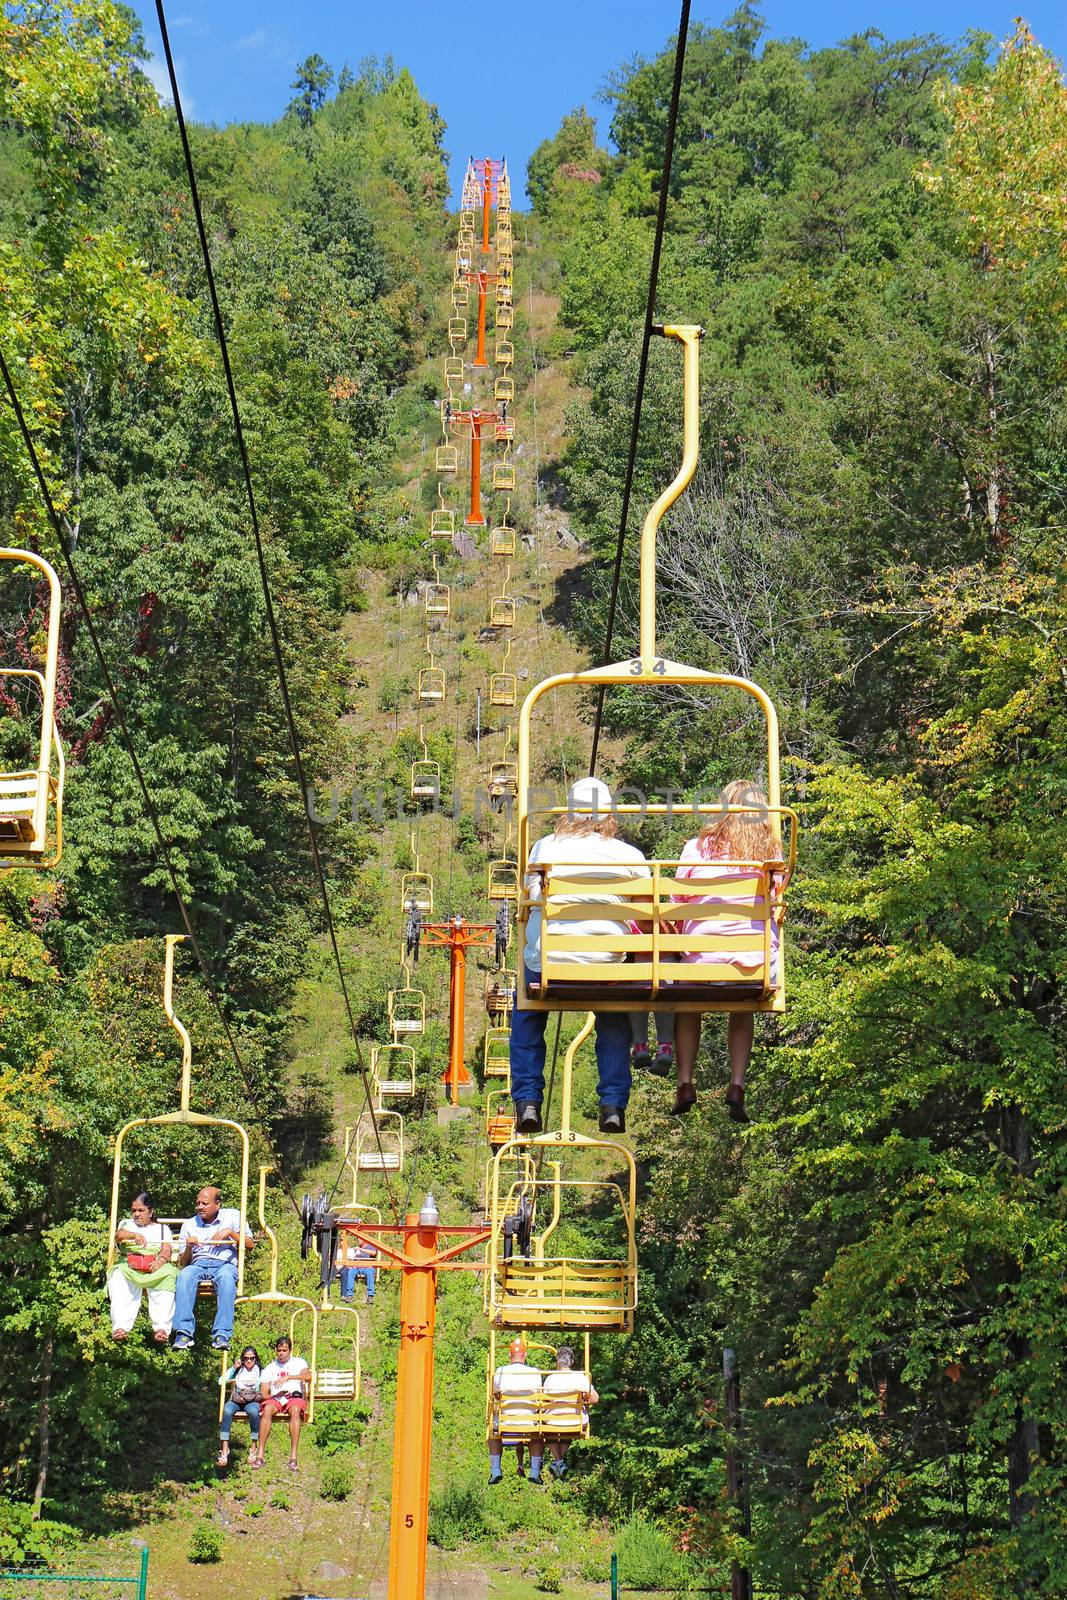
{"points": [[348, 1276], [223, 1275], [230, 1410], [528, 1054]]}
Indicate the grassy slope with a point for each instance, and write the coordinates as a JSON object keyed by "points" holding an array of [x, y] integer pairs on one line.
{"points": [[281, 1537]]}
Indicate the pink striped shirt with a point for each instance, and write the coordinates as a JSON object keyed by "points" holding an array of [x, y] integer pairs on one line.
{"points": [[718, 867]]}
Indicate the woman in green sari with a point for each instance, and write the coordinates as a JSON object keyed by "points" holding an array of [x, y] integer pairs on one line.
{"points": [[148, 1247]]}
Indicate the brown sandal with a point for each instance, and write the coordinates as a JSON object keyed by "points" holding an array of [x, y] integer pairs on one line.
{"points": [[684, 1100]]}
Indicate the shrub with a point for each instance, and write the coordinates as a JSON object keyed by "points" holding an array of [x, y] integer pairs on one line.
{"points": [[339, 1431], [550, 1581], [280, 1500], [594, 1564], [254, 1508], [647, 1559], [25, 1543], [336, 1481], [457, 1514], [206, 1544]]}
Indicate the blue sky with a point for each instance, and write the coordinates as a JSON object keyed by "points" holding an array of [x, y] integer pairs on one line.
{"points": [[235, 60]]}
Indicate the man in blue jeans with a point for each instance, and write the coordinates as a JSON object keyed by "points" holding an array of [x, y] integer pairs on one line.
{"points": [[348, 1275], [207, 1250], [586, 842]]}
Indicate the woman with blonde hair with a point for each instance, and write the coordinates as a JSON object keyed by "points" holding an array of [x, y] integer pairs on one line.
{"points": [[585, 841], [729, 844]]}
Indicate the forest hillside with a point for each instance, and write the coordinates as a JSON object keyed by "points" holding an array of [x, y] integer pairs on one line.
{"points": [[873, 237]]}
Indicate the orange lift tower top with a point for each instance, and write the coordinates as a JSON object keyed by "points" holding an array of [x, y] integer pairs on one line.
{"points": [[489, 172], [424, 1251], [457, 936], [476, 423], [483, 280]]}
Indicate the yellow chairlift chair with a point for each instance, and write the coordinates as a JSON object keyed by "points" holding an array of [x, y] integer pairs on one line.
{"points": [[501, 610], [438, 600], [641, 971], [407, 1012], [431, 685], [184, 1116], [496, 1057], [28, 793], [523, 1418], [416, 888], [499, 1118], [442, 523], [504, 353], [425, 778], [503, 880], [457, 331], [505, 316], [503, 784], [384, 1153], [503, 688], [516, 1172], [353, 1210], [343, 1381], [526, 1285], [393, 1069], [453, 370], [502, 541], [466, 219], [446, 459], [500, 995], [504, 389], [461, 294]]}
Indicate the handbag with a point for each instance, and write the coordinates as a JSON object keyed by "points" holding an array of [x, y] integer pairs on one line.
{"points": [[138, 1263]]}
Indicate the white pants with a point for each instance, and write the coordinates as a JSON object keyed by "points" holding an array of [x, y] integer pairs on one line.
{"points": [[126, 1302]]}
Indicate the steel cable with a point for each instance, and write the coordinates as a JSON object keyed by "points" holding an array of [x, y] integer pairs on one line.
{"points": [[272, 623], [642, 369]]}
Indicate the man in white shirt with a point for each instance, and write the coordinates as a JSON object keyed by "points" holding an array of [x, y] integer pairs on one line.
{"points": [[284, 1384], [588, 837], [207, 1249], [573, 1388], [515, 1379]]}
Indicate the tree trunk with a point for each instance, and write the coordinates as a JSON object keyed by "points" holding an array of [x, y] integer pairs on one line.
{"points": [[44, 1424]]}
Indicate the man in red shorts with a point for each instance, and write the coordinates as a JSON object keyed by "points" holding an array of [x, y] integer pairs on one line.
{"points": [[284, 1384]]}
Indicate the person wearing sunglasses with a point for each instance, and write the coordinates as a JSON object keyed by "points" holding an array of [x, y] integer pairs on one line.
{"points": [[244, 1399]]}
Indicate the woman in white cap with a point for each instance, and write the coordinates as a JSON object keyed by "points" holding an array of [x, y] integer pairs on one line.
{"points": [[587, 838]]}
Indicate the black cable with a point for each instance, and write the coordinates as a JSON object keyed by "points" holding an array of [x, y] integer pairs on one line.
{"points": [[124, 729], [642, 370], [272, 623]]}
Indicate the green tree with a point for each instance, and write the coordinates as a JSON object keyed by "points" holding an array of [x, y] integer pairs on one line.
{"points": [[314, 76], [572, 155]]}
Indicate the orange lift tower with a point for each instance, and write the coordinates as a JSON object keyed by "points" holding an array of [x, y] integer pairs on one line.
{"points": [[489, 172], [424, 1251], [477, 423], [483, 280], [457, 936]]}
